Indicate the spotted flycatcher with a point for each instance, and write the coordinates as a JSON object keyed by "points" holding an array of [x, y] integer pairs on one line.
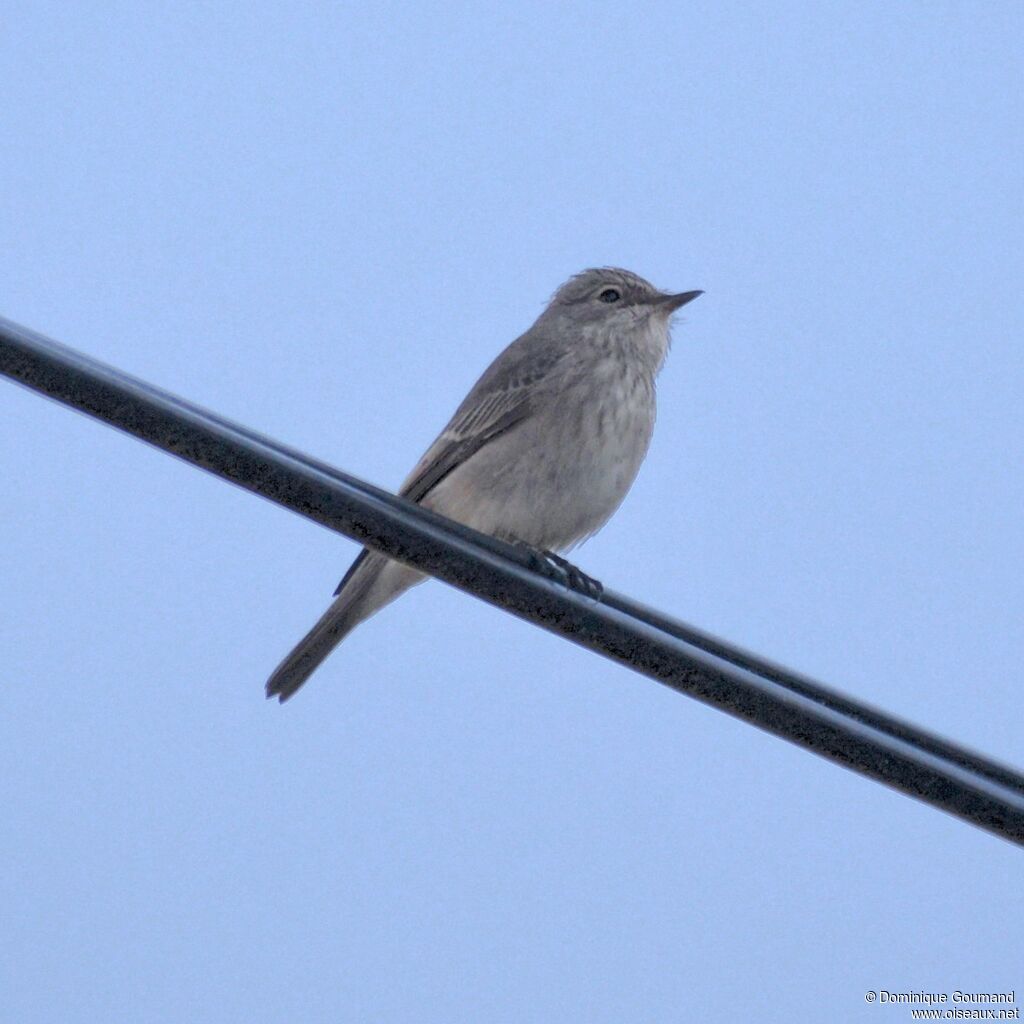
{"points": [[542, 450]]}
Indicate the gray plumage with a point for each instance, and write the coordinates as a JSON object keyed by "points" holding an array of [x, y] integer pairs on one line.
{"points": [[543, 449]]}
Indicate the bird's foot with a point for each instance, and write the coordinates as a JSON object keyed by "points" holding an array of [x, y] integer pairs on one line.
{"points": [[547, 563]]}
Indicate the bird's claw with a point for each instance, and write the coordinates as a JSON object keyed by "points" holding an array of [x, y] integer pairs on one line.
{"points": [[547, 563]]}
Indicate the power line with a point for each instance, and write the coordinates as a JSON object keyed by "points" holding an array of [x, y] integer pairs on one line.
{"points": [[833, 725]]}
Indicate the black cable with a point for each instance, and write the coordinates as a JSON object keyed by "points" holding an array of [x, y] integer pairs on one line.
{"points": [[831, 724]]}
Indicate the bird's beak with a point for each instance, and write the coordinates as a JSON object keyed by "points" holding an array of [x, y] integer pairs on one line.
{"points": [[673, 302]]}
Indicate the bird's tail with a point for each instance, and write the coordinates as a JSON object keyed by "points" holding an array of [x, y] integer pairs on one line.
{"points": [[373, 582]]}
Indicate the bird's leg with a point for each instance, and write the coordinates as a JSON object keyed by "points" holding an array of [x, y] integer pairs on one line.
{"points": [[547, 563]]}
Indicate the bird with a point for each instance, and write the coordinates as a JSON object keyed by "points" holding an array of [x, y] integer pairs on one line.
{"points": [[540, 453]]}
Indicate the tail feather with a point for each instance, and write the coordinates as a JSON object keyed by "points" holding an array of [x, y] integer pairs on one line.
{"points": [[331, 628], [372, 582]]}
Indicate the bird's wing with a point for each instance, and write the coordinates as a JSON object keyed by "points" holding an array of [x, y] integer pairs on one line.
{"points": [[502, 398]]}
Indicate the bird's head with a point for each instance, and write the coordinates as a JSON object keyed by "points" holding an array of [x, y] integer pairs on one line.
{"points": [[611, 304]]}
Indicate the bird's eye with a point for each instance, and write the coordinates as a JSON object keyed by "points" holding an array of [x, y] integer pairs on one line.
{"points": [[609, 295]]}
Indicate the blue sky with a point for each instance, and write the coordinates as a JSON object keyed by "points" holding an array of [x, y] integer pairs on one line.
{"points": [[324, 221]]}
